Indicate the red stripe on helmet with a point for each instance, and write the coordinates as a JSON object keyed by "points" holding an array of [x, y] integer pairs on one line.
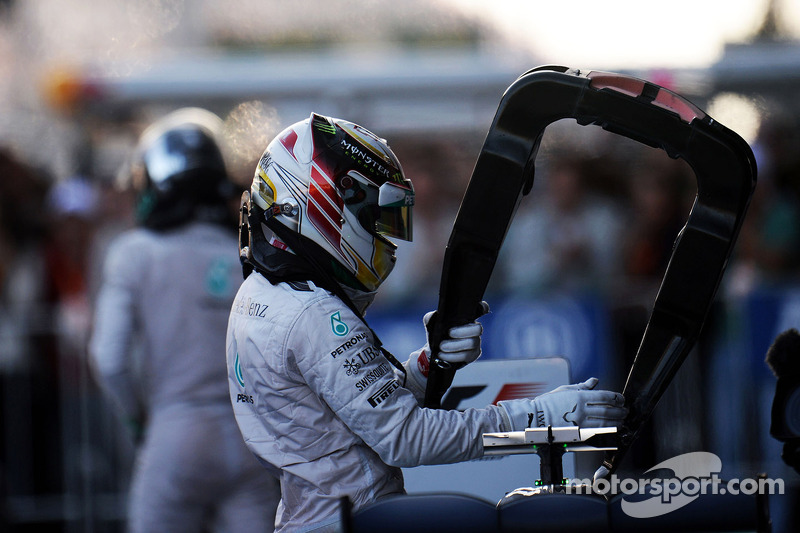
{"points": [[288, 141], [323, 203], [325, 227], [327, 190], [325, 207]]}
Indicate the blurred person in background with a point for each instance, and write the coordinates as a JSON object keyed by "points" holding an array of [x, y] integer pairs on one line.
{"points": [[433, 168], [660, 194], [566, 239], [22, 228], [659, 199], [158, 346], [315, 395], [72, 205], [768, 251], [28, 352]]}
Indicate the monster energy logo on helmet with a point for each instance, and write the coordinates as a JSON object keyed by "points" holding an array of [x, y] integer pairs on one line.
{"points": [[365, 159], [365, 148], [325, 127]]}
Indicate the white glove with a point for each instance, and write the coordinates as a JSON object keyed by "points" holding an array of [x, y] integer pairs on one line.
{"points": [[462, 346], [568, 405]]}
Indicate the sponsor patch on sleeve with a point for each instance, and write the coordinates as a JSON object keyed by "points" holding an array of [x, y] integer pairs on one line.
{"points": [[352, 342], [383, 393], [338, 326], [372, 376], [249, 307]]}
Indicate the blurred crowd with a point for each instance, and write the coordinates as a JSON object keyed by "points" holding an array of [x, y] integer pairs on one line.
{"points": [[599, 220]]}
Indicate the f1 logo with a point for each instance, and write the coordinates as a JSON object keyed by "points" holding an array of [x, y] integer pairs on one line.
{"points": [[509, 391], [456, 395]]}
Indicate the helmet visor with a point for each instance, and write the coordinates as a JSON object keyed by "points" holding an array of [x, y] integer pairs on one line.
{"points": [[384, 210], [394, 208], [163, 161]]}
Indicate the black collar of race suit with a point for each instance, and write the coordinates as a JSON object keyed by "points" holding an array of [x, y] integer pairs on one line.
{"points": [[278, 265]]}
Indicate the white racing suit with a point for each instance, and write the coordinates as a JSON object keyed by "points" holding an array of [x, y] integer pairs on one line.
{"points": [[158, 350], [316, 399]]}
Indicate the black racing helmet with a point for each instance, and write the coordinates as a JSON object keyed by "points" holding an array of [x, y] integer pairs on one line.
{"points": [[178, 171]]}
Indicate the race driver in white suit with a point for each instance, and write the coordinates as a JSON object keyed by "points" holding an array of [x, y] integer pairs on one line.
{"points": [[316, 397], [158, 347]]}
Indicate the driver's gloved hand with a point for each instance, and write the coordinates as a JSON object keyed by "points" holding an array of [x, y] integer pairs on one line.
{"points": [[568, 405], [461, 347]]}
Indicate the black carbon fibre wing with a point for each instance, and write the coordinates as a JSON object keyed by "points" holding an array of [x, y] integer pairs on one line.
{"points": [[725, 171]]}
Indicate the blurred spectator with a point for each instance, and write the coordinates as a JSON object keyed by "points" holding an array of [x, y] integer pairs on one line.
{"points": [[22, 230], [660, 197], [439, 177], [28, 344], [661, 191], [564, 238], [158, 346], [71, 207], [768, 249]]}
